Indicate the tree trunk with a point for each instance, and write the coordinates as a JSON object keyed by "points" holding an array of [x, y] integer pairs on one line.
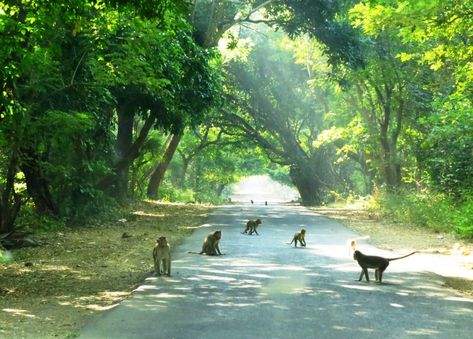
{"points": [[158, 174], [36, 184], [124, 163], [10, 202], [390, 164], [123, 145], [307, 183]]}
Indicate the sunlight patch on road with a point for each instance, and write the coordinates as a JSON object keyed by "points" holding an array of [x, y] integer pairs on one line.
{"points": [[422, 331], [396, 305], [358, 287], [212, 277], [460, 299]]}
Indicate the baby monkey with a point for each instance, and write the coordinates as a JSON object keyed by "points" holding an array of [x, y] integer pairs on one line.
{"points": [[162, 256], [371, 261], [299, 236], [251, 226]]}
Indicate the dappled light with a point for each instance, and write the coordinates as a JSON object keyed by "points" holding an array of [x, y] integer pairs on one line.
{"points": [[125, 122], [267, 277], [16, 312]]}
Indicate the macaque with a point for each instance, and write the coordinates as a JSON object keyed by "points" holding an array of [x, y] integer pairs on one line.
{"points": [[378, 263], [251, 226], [162, 255], [299, 236], [211, 244]]}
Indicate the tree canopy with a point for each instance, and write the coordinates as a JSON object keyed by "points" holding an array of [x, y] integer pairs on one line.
{"points": [[106, 101]]}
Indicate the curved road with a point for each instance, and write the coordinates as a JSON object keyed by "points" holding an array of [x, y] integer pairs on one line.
{"points": [[264, 288]]}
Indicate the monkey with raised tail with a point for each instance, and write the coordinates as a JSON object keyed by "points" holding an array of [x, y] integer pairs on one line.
{"points": [[378, 263], [162, 257]]}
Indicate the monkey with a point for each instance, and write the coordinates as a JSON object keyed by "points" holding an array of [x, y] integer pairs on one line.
{"points": [[211, 244], [378, 263], [251, 226], [266, 203], [162, 255], [252, 202], [299, 236]]}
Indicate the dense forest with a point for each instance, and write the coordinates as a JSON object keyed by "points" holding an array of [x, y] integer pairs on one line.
{"points": [[106, 101]]}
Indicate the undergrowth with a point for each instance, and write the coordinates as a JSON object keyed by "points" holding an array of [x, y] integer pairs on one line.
{"points": [[432, 210]]}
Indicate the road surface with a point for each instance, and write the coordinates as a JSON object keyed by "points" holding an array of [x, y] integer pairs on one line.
{"points": [[264, 288]]}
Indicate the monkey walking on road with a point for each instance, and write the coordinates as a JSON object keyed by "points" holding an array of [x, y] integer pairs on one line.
{"points": [[251, 226], [371, 261]]}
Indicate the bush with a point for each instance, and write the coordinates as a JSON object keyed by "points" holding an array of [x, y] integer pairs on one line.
{"points": [[172, 194], [432, 210]]}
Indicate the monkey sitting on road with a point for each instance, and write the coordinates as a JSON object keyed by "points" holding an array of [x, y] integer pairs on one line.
{"points": [[371, 261], [211, 244], [162, 255], [251, 226], [299, 236]]}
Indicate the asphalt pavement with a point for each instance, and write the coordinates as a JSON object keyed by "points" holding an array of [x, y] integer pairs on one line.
{"points": [[262, 287]]}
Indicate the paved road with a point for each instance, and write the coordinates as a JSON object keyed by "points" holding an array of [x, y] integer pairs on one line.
{"points": [[264, 288]]}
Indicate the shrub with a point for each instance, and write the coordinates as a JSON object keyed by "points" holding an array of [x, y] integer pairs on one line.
{"points": [[436, 211]]}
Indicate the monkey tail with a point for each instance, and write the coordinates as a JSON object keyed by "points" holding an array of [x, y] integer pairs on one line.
{"points": [[193, 252], [405, 256]]}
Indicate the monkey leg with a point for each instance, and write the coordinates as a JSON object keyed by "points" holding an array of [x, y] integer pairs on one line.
{"points": [[381, 270], [167, 267], [364, 271]]}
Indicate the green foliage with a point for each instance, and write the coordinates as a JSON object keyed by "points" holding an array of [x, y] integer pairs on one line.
{"points": [[326, 21], [168, 192], [32, 221], [432, 210], [5, 257], [449, 147]]}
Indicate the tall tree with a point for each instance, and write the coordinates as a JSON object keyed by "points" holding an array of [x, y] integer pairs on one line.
{"points": [[273, 107]]}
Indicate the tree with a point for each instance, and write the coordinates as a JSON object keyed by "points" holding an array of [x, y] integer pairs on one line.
{"points": [[271, 105]]}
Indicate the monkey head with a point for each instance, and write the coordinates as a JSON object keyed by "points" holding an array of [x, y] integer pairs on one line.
{"points": [[303, 231], [356, 254], [258, 221], [161, 241], [218, 235]]}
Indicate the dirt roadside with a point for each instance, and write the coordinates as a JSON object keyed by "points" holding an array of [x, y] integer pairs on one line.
{"points": [[53, 290]]}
